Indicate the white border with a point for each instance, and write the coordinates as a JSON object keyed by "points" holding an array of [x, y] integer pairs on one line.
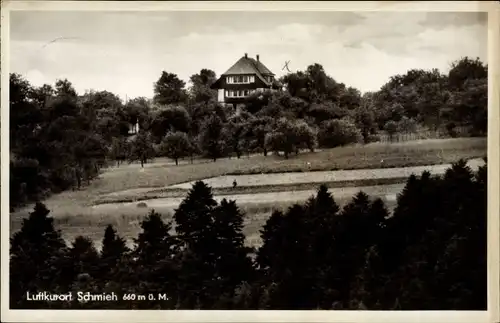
{"points": [[492, 315]]}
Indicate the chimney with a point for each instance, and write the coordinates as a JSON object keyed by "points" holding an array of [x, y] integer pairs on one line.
{"points": [[246, 55], [257, 57]]}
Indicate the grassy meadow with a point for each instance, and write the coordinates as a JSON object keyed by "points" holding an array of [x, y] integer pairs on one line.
{"points": [[161, 172], [76, 212]]}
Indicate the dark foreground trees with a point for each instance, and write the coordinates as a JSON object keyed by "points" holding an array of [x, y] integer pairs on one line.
{"points": [[429, 255]]}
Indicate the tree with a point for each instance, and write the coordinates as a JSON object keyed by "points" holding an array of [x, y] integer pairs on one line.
{"points": [[154, 243], [214, 258], [305, 136], [466, 69], [175, 145], [211, 139], [282, 138], [358, 231], [105, 112], [138, 110], [234, 132], [113, 249], [141, 148], [285, 256], [335, 133], [120, 149], [233, 266], [37, 254], [45, 124], [431, 102], [407, 125], [194, 223], [193, 215], [64, 88], [255, 132], [258, 101], [84, 257], [200, 90], [314, 86], [365, 121], [470, 106], [90, 156], [289, 136], [391, 127], [156, 265], [169, 89], [350, 98], [324, 112], [321, 86], [170, 119], [321, 218], [296, 83], [199, 112]]}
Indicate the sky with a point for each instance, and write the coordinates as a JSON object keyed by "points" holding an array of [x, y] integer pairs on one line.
{"points": [[125, 52]]}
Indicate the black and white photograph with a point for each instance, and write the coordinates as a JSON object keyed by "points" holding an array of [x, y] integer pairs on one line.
{"points": [[244, 160]]}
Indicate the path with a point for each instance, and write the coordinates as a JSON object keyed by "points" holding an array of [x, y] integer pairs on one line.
{"points": [[325, 176]]}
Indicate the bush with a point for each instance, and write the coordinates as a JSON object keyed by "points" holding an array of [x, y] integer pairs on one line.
{"points": [[334, 133]]}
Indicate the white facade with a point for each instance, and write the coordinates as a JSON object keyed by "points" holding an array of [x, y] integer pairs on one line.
{"points": [[133, 128], [220, 95]]}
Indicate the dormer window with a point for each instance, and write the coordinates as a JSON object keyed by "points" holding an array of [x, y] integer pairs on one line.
{"points": [[240, 79]]}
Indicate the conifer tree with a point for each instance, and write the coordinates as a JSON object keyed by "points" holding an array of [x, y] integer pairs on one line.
{"points": [[194, 227], [232, 266], [156, 267], [37, 259], [84, 256], [193, 216], [282, 254], [320, 223], [85, 260], [352, 242], [113, 248]]}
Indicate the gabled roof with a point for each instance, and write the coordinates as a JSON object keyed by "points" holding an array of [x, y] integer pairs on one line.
{"points": [[262, 68], [248, 65]]}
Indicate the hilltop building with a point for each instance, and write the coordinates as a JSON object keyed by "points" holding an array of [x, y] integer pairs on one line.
{"points": [[244, 78]]}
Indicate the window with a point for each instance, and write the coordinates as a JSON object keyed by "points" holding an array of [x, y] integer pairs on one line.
{"points": [[238, 93], [240, 79]]}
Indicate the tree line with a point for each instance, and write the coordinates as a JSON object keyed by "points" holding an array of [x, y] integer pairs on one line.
{"points": [[430, 254], [314, 110]]}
